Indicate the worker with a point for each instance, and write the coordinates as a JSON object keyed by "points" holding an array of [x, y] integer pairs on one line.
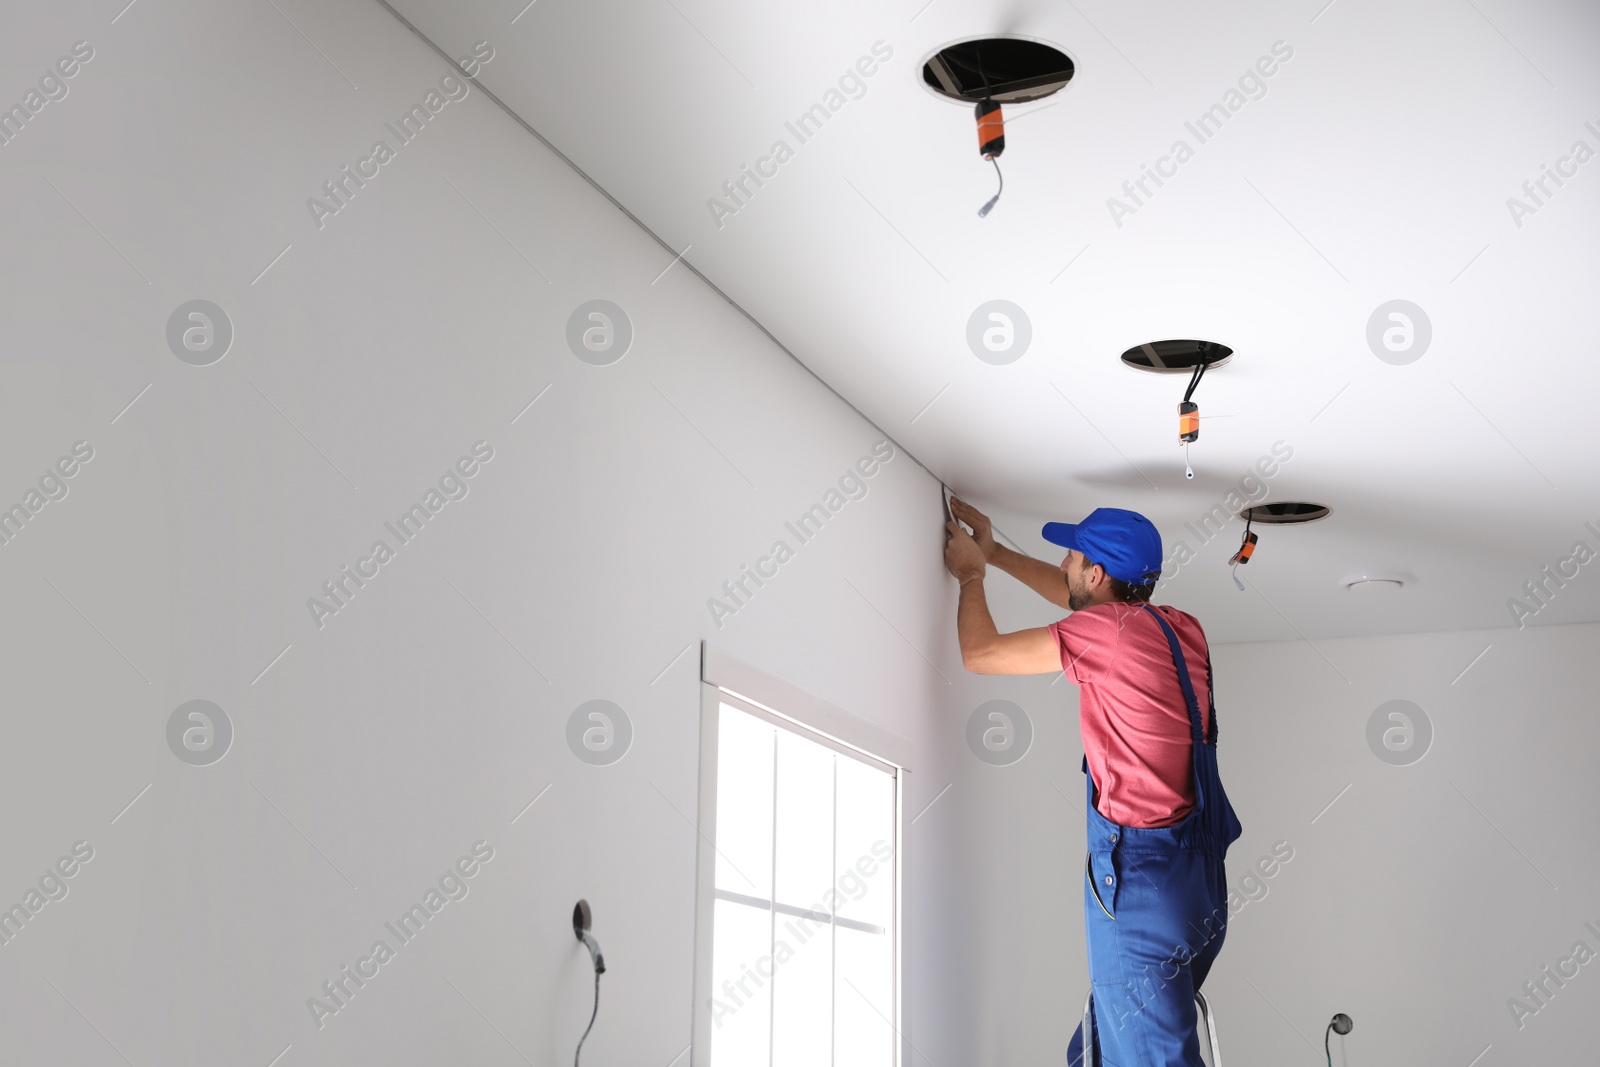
{"points": [[1159, 823]]}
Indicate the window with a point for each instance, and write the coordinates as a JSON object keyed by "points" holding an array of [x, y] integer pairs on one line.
{"points": [[800, 884]]}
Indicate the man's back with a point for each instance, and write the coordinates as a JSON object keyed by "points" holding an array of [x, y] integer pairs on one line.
{"points": [[1135, 724]]}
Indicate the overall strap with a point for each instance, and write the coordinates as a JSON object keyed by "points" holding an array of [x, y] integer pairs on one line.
{"points": [[1211, 698], [1183, 679]]}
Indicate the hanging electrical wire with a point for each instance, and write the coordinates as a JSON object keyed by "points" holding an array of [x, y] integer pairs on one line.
{"points": [[579, 1051], [582, 919], [991, 133], [1247, 548], [995, 199]]}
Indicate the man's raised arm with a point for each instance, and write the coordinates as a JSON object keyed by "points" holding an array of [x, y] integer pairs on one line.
{"points": [[984, 650]]}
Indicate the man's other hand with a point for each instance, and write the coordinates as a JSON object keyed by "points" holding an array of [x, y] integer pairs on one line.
{"points": [[982, 529], [962, 556]]}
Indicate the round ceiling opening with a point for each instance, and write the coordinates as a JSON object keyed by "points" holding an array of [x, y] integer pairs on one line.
{"points": [[1010, 70], [1176, 357], [1285, 513]]}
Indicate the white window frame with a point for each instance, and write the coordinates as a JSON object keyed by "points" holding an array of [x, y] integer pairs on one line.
{"points": [[726, 680]]}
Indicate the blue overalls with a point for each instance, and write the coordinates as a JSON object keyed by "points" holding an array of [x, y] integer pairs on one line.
{"points": [[1156, 908]]}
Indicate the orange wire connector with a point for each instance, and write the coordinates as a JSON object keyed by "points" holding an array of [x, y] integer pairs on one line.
{"points": [[991, 129]]}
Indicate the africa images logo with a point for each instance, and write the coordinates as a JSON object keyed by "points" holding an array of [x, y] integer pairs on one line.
{"points": [[341, 189], [737, 192], [453, 885], [453, 485], [999, 732]]}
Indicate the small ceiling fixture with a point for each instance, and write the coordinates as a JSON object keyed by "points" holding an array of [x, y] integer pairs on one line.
{"points": [[1376, 582]]}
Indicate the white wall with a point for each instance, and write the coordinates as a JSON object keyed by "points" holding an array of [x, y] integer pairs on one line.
{"points": [[1429, 893], [429, 711]]}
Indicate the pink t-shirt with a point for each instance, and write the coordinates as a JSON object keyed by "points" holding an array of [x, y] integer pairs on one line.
{"points": [[1135, 724]]}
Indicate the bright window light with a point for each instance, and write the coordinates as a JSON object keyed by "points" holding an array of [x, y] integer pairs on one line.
{"points": [[803, 958]]}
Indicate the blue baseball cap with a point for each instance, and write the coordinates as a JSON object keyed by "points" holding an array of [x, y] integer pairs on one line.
{"points": [[1125, 543]]}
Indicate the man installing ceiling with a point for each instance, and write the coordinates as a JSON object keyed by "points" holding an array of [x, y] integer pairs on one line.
{"points": [[1155, 894]]}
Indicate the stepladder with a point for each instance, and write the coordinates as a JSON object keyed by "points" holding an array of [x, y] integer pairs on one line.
{"points": [[1205, 1020]]}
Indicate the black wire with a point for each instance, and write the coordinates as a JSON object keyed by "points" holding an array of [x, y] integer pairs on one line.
{"points": [[592, 1014], [1325, 1034], [1199, 372]]}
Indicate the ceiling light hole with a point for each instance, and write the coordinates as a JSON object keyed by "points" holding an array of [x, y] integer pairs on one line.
{"points": [[1017, 70], [1176, 357], [1285, 513]]}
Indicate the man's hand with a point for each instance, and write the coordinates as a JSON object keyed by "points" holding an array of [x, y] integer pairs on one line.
{"points": [[962, 556], [982, 530], [1046, 579]]}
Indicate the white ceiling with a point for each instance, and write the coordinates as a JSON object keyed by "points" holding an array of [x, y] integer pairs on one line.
{"points": [[1376, 166]]}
